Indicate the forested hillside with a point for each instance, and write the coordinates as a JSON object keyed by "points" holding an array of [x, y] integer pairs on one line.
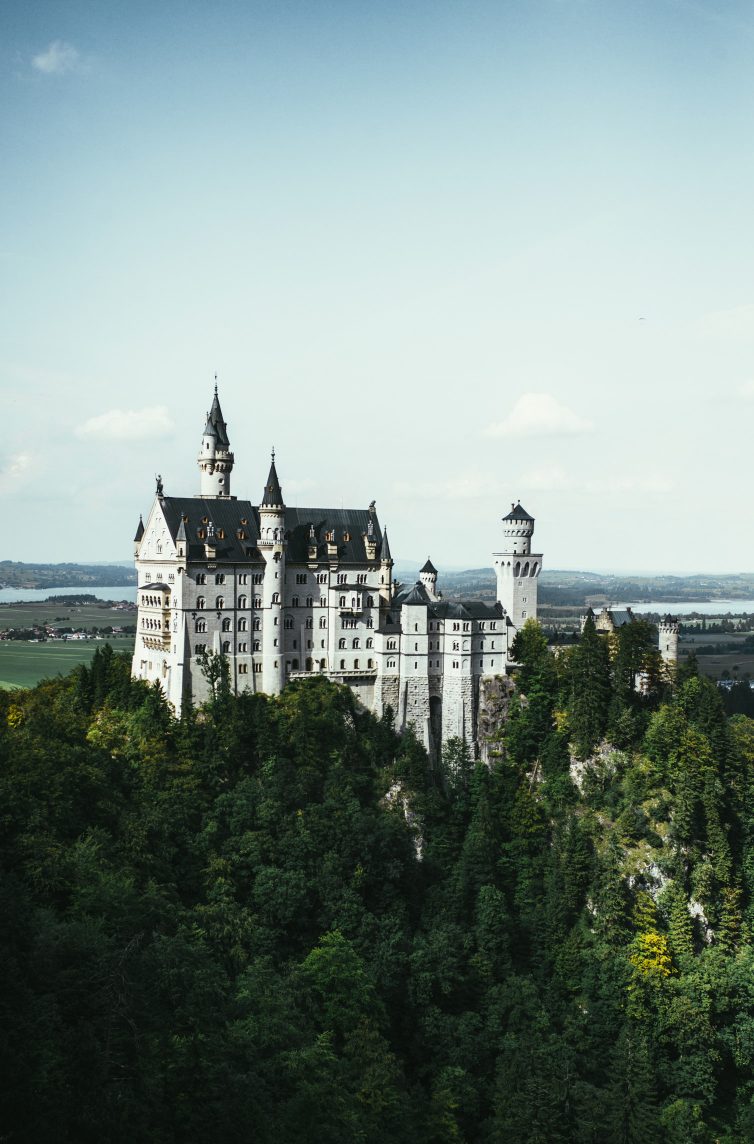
{"points": [[274, 921]]}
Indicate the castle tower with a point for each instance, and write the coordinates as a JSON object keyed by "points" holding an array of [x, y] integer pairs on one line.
{"points": [[517, 568], [215, 459], [668, 628], [386, 570], [428, 577], [271, 544]]}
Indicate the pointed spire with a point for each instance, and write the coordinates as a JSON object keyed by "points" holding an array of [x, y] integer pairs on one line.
{"points": [[181, 533], [272, 492], [216, 426], [139, 530], [385, 556], [429, 567]]}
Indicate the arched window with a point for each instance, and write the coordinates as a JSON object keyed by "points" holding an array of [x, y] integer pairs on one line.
{"points": [[310, 622], [219, 577], [243, 601], [323, 621], [356, 665], [355, 644], [309, 665], [219, 603], [276, 597], [342, 602], [370, 663], [309, 602], [257, 645], [370, 642], [294, 664], [226, 647], [257, 601], [289, 622], [294, 601], [226, 625], [342, 665], [243, 624], [200, 603], [200, 626], [201, 578]]}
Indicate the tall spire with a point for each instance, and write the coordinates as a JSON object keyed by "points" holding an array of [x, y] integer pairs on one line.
{"points": [[385, 556], [215, 457], [216, 426], [272, 495]]}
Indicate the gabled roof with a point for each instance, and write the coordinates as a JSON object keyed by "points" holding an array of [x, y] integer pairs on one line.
{"points": [[348, 527], [216, 426], [272, 494], [428, 567], [415, 595], [518, 513]]}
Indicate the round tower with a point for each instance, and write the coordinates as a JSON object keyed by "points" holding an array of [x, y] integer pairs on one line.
{"points": [[517, 568], [428, 577], [668, 629], [386, 569], [271, 544], [215, 458]]}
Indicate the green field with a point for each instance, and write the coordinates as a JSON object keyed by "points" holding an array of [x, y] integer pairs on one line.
{"points": [[24, 664], [39, 612]]}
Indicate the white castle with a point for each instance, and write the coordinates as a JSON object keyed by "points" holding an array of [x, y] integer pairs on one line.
{"points": [[285, 593]]}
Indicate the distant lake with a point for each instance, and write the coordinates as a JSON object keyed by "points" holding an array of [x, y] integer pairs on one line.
{"points": [[13, 595], [708, 608]]}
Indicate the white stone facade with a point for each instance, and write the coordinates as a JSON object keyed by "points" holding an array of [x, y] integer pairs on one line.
{"points": [[288, 592]]}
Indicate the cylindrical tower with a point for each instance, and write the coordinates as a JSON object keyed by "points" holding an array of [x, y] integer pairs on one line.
{"points": [[271, 544], [428, 577], [215, 458], [668, 628], [517, 568]]}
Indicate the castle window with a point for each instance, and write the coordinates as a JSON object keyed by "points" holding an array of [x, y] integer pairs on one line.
{"points": [[257, 625], [200, 626], [226, 647], [323, 601], [309, 643], [309, 665], [355, 643], [219, 577], [416, 647], [321, 577], [391, 645], [361, 578], [148, 576], [275, 643], [323, 621], [341, 644], [257, 601], [369, 622], [342, 578], [226, 625], [200, 603], [219, 603], [309, 602], [310, 623], [201, 578], [301, 577], [456, 645], [466, 627], [288, 622], [294, 665], [171, 577], [342, 665], [257, 645], [370, 663], [321, 643], [342, 602], [275, 597], [493, 625], [294, 601], [295, 643], [243, 579], [456, 627], [243, 601], [330, 536], [391, 663], [200, 648], [243, 647], [346, 537], [415, 665], [370, 642], [257, 578], [243, 669], [492, 645], [523, 614], [257, 668], [370, 601], [323, 664]]}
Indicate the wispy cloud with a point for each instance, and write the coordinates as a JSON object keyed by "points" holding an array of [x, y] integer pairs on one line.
{"points": [[13, 469], [461, 487], [58, 58], [553, 478], [539, 415], [128, 424]]}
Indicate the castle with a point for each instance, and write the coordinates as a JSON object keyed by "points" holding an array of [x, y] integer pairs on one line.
{"points": [[285, 593]]}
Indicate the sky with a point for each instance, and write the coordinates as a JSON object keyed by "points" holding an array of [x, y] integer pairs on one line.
{"points": [[442, 255]]}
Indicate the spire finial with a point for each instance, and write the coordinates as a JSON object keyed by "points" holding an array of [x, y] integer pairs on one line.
{"points": [[215, 385], [273, 454]]}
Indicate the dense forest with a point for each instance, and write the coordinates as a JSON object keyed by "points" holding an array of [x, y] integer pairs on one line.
{"points": [[15, 574], [277, 921]]}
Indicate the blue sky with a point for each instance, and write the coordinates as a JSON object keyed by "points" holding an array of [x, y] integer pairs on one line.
{"points": [[442, 255]]}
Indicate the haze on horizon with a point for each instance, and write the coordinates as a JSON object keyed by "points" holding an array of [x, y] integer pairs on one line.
{"points": [[444, 256]]}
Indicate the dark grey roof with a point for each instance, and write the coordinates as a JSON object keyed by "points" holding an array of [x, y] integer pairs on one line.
{"points": [[518, 513], [621, 617], [429, 567], [139, 531], [272, 494], [341, 522], [385, 549], [467, 610], [234, 517], [415, 595], [215, 426], [157, 586], [670, 619], [181, 533]]}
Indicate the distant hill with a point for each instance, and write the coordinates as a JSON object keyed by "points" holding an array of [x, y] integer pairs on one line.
{"points": [[15, 574]]}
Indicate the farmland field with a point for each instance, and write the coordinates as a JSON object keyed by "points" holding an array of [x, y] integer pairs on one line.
{"points": [[60, 613], [24, 664]]}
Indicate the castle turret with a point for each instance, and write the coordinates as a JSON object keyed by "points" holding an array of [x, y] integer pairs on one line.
{"points": [[668, 629], [215, 457], [386, 569], [271, 544], [517, 568], [428, 577]]}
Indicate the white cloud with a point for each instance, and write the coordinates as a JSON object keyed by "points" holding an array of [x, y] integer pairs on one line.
{"points": [[539, 414], [461, 487], [13, 469], [128, 425], [57, 59]]}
